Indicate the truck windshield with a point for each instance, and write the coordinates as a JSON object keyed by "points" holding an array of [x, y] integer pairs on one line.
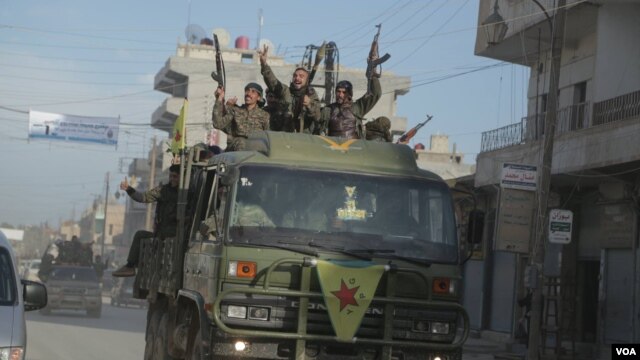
{"points": [[377, 215], [7, 279]]}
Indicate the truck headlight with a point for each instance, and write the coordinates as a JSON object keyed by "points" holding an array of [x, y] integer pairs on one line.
{"points": [[258, 313], [237, 312], [11, 353], [439, 327]]}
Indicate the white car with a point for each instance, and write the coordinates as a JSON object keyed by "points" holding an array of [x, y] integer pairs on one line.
{"points": [[31, 273], [16, 297]]}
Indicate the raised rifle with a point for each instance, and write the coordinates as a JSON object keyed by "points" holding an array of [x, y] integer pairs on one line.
{"points": [[219, 75], [374, 60], [299, 106], [404, 139]]}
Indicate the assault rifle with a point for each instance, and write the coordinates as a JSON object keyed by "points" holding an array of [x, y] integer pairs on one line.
{"points": [[374, 60], [299, 106], [219, 75], [404, 139]]}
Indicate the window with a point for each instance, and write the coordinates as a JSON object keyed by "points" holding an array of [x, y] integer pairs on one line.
{"points": [[7, 279]]}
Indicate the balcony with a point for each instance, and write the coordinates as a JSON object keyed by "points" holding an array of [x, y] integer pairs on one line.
{"points": [[569, 119], [588, 136]]}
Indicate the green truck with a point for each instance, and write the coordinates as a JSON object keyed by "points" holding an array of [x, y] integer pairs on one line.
{"points": [[306, 247]]}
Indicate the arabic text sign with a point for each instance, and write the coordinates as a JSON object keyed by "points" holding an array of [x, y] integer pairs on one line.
{"points": [[515, 215], [51, 126], [518, 176], [560, 223]]}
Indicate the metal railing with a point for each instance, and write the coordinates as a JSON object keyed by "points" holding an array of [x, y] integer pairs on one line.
{"points": [[571, 118], [618, 108], [502, 137]]}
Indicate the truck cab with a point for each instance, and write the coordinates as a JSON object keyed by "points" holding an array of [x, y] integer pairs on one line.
{"points": [[307, 247]]}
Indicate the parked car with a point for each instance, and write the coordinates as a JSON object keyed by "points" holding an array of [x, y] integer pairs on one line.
{"points": [[16, 297], [31, 273], [122, 293], [73, 287]]}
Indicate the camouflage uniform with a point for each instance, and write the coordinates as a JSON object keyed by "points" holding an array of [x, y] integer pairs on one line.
{"points": [[167, 209], [288, 97], [166, 220], [238, 123], [346, 120], [379, 130], [277, 117]]}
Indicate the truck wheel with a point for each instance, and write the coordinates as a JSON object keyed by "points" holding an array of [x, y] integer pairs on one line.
{"points": [[196, 349], [160, 342]]}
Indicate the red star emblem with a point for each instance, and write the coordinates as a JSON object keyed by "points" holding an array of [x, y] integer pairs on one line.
{"points": [[346, 295], [178, 136]]}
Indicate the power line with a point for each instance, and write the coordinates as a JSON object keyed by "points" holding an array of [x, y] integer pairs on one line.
{"points": [[47, 57], [83, 47]]}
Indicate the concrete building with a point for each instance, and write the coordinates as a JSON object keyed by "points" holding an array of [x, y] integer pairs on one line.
{"points": [[92, 224], [188, 74], [595, 171], [449, 164]]}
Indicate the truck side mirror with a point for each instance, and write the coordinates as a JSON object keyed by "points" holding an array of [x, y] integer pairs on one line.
{"points": [[475, 227], [34, 295]]}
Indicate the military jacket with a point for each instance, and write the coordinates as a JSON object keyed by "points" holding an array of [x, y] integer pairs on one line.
{"points": [[238, 122], [167, 209], [345, 120], [288, 98]]}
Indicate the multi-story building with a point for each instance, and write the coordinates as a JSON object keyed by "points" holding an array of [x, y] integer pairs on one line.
{"points": [[595, 168], [188, 74]]}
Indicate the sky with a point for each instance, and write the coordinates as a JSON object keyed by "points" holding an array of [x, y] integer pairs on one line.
{"points": [[95, 58]]}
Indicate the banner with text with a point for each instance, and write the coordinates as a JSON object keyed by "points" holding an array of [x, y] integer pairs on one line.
{"points": [[51, 126], [519, 176]]}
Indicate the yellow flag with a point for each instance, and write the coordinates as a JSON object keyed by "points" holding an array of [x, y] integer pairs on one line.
{"points": [[348, 288], [179, 130]]}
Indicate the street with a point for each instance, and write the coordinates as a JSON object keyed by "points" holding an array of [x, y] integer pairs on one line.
{"points": [[119, 334], [71, 335]]}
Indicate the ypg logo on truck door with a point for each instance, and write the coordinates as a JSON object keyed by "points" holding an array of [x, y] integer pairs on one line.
{"points": [[348, 288]]}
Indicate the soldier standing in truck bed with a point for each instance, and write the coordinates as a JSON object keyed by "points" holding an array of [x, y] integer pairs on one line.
{"points": [[289, 97], [344, 117], [166, 220], [239, 121]]}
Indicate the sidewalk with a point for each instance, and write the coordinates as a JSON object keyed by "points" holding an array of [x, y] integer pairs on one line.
{"points": [[489, 345]]}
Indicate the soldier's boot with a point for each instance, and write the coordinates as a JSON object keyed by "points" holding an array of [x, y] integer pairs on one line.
{"points": [[124, 271]]}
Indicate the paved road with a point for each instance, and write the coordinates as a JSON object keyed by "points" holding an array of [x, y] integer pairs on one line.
{"points": [[119, 334], [69, 335]]}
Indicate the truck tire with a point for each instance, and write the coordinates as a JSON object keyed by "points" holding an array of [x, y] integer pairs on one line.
{"points": [[160, 340], [196, 352]]}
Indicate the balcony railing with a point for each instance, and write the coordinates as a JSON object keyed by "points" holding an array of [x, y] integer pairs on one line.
{"points": [[570, 118], [619, 108]]}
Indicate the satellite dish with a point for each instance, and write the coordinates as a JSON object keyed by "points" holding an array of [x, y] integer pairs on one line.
{"points": [[269, 44], [194, 33], [223, 36]]}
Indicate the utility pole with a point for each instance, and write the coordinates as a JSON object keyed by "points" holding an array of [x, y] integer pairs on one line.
{"points": [[152, 179], [104, 227], [536, 258]]}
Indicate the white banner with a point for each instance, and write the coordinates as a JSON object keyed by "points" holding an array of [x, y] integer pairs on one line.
{"points": [[519, 176], [51, 126]]}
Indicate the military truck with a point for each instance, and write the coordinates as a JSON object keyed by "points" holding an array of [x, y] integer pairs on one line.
{"points": [[306, 247]]}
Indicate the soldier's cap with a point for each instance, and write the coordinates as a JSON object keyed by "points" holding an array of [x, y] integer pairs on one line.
{"points": [[346, 85], [254, 86], [175, 169], [384, 122]]}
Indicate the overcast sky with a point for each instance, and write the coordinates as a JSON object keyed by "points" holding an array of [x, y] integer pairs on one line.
{"points": [[99, 58]]}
